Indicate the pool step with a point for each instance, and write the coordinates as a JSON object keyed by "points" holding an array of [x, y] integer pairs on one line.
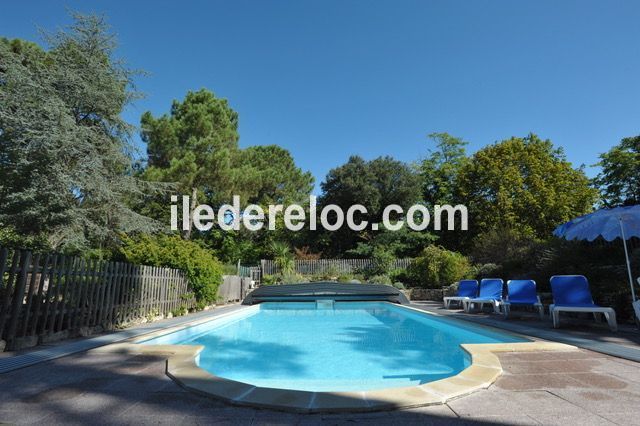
{"points": [[324, 304]]}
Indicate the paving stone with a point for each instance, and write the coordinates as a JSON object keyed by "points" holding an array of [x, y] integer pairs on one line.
{"points": [[500, 403], [600, 381], [506, 420], [586, 419], [542, 367], [602, 401], [623, 418], [522, 382]]}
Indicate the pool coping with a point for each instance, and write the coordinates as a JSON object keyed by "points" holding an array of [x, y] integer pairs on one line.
{"points": [[182, 367]]}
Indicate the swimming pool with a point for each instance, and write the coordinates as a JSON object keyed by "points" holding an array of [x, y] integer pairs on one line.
{"points": [[341, 346]]}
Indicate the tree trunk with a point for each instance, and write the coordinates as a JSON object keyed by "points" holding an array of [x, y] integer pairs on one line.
{"points": [[193, 203]]}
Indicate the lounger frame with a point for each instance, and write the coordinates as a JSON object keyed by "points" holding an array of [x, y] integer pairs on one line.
{"points": [[469, 304], [506, 307], [460, 299], [609, 314]]}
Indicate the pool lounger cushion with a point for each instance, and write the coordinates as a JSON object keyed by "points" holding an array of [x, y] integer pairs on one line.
{"points": [[467, 289], [522, 293], [571, 294], [490, 293]]}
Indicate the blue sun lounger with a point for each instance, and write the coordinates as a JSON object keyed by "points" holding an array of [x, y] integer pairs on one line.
{"points": [[490, 293], [571, 294], [522, 293], [467, 289]]}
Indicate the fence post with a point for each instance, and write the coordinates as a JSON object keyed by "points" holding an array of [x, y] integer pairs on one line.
{"points": [[18, 295]]}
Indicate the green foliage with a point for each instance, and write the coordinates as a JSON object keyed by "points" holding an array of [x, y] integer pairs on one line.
{"points": [[283, 258], [66, 166], [523, 184], [379, 279], [515, 253], [439, 171], [203, 271], [288, 278], [619, 180], [10, 238], [381, 260], [345, 278], [438, 267], [489, 270], [373, 184], [181, 311], [195, 147], [229, 269], [402, 243], [274, 178]]}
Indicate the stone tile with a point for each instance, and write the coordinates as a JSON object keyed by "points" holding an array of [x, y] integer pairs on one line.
{"points": [[522, 382], [599, 381], [401, 397], [339, 401], [585, 419], [22, 413], [278, 398], [152, 419], [223, 420], [602, 401], [166, 403], [627, 372], [506, 420], [503, 403], [542, 367], [549, 356], [623, 418]]}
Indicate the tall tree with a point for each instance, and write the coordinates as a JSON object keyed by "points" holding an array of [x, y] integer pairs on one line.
{"points": [[440, 169], [194, 146], [619, 180], [375, 185], [65, 153], [275, 177], [524, 184]]}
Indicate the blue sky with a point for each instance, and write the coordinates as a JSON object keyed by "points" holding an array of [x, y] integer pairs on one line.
{"points": [[327, 79]]}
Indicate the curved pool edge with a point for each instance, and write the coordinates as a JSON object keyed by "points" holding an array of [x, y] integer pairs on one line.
{"points": [[182, 367]]}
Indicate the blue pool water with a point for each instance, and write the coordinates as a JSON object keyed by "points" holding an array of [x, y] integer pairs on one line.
{"points": [[350, 346]]}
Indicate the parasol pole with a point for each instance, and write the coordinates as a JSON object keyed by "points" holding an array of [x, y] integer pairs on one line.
{"points": [[626, 255]]}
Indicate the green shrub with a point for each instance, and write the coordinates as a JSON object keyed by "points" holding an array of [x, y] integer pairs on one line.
{"points": [[201, 268], [269, 279], [488, 270], [399, 275], [382, 259], [290, 278], [229, 269], [345, 278], [438, 267], [399, 285], [379, 279]]}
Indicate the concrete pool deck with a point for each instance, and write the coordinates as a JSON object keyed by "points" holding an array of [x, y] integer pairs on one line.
{"points": [[122, 388]]}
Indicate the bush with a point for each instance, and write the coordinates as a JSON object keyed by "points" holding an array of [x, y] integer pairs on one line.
{"points": [[201, 268], [437, 267], [277, 279], [379, 279], [345, 278], [488, 270], [399, 275], [382, 259]]}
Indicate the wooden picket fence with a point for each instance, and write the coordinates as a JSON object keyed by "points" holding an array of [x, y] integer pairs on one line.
{"points": [[42, 295], [321, 266]]}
